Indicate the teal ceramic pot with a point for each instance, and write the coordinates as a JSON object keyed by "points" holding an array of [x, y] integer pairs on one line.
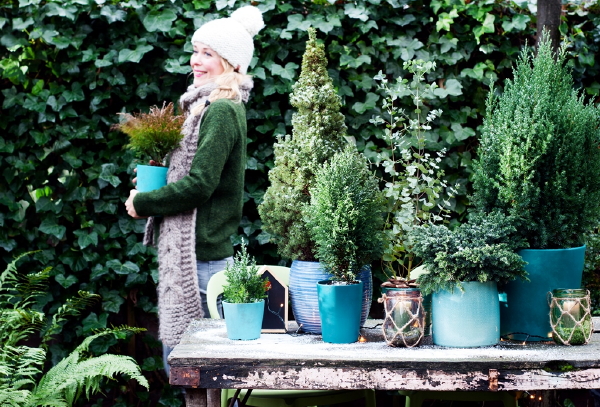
{"points": [[304, 276], [150, 177], [524, 309], [340, 311], [466, 319], [244, 321]]}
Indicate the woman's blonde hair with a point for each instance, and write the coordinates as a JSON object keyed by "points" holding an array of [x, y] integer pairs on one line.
{"points": [[228, 86]]}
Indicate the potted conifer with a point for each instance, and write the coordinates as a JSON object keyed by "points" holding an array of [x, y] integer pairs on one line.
{"points": [[345, 219], [319, 132], [539, 163], [464, 267], [244, 296], [152, 136]]}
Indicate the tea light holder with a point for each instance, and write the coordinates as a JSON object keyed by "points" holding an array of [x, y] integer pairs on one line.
{"points": [[403, 325], [570, 316]]}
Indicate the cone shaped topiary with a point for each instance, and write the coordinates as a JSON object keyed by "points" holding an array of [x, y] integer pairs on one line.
{"points": [[318, 133]]}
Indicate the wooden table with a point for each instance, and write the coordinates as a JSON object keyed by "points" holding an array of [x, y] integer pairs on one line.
{"points": [[206, 359]]}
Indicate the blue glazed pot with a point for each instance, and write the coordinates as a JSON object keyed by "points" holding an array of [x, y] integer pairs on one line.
{"points": [[524, 309], [340, 311], [150, 177], [244, 321], [304, 276], [466, 319]]}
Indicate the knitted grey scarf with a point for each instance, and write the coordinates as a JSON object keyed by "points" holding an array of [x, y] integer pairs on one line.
{"points": [[178, 291]]}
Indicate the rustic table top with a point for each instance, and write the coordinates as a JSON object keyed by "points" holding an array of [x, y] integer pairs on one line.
{"points": [[206, 358]]}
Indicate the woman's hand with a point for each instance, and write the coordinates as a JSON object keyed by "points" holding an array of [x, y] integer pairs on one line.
{"points": [[129, 204]]}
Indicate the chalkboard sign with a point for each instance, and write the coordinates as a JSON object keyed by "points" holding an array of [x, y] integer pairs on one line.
{"points": [[275, 318]]}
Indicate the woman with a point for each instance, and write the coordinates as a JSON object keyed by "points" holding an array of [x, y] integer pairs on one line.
{"points": [[201, 205]]}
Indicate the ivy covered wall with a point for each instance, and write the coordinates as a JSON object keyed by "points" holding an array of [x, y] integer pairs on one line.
{"points": [[69, 66]]}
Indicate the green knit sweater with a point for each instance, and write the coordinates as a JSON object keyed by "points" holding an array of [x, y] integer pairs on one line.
{"points": [[215, 184]]}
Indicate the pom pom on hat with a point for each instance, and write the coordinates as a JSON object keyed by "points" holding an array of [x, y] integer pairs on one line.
{"points": [[232, 37]]}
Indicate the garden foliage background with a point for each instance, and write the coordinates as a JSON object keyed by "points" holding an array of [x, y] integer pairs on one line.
{"points": [[69, 66]]}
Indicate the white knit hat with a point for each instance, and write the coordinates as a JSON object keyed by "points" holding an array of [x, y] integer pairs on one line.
{"points": [[231, 37]]}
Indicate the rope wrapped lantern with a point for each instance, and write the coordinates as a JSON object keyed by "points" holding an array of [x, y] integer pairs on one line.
{"points": [[570, 316]]}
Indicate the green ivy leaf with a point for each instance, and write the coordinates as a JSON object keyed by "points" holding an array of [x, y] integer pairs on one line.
{"points": [[122, 268], [368, 104], [111, 300], [112, 13], [289, 72], [462, 133], [50, 227], [486, 27], [92, 322], [135, 55], [66, 282], [86, 238], [157, 20], [356, 11]]}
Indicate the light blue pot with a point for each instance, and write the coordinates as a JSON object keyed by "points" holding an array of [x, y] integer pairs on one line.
{"points": [[150, 177], [524, 309], [340, 311], [466, 319], [244, 321], [304, 276]]}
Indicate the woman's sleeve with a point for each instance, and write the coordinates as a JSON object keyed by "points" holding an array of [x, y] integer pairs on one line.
{"points": [[219, 132]]}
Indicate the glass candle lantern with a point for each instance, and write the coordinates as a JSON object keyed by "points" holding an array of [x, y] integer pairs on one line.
{"points": [[570, 316], [404, 317]]}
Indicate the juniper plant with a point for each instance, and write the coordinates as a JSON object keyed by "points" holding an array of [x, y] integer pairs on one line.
{"points": [[539, 158], [244, 284], [345, 216]]}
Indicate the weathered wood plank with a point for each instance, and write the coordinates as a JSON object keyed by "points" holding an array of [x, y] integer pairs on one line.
{"points": [[206, 358]]}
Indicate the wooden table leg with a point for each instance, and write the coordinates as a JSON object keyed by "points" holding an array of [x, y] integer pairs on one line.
{"points": [[196, 398], [202, 397]]}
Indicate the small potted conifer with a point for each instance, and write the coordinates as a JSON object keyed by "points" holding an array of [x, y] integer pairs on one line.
{"points": [[345, 219], [464, 267], [152, 136], [243, 297]]}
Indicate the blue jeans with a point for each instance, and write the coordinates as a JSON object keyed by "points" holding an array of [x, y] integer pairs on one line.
{"points": [[206, 269]]}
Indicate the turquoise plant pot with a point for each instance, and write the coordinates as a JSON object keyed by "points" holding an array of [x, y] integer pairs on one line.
{"points": [[304, 276], [340, 310], [524, 309], [150, 177], [466, 319], [244, 321]]}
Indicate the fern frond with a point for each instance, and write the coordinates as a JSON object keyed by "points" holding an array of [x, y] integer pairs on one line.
{"points": [[12, 398], [72, 307], [10, 273], [18, 324]]}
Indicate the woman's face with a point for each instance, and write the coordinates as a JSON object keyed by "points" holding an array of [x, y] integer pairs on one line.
{"points": [[206, 64]]}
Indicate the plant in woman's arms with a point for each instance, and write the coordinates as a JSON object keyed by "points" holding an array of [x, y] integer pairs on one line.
{"points": [[345, 216], [412, 177], [244, 284], [154, 134], [483, 249]]}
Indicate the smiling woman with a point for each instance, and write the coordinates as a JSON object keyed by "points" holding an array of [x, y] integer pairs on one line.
{"points": [[201, 205]]}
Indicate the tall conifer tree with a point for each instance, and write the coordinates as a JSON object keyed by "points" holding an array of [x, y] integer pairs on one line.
{"points": [[318, 133]]}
